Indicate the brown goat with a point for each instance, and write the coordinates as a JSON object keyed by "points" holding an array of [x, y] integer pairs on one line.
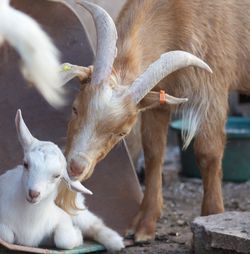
{"points": [[106, 109]]}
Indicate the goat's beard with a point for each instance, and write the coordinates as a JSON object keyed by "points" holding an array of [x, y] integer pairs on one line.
{"points": [[84, 176]]}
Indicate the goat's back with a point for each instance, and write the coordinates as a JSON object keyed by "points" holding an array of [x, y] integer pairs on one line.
{"points": [[218, 31]]}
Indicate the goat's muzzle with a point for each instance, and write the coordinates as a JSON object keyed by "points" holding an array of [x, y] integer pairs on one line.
{"points": [[77, 168], [33, 196]]}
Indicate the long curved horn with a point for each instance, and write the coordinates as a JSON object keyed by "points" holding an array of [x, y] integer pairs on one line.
{"points": [[106, 37], [80, 14], [165, 65], [106, 42]]}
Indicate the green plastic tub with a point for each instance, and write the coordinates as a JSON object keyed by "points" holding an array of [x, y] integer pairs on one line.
{"points": [[236, 161]]}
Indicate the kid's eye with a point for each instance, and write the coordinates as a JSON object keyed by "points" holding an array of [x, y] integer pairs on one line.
{"points": [[56, 176], [26, 165]]}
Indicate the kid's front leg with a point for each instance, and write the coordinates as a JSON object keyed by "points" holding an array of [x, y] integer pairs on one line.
{"points": [[67, 236], [6, 234], [94, 228]]}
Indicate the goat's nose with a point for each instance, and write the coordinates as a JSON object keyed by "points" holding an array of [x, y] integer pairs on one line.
{"points": [[76, 169], [33, 194]]}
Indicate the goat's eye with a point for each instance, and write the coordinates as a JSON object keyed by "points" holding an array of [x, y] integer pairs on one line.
{"points": [[74, 110], [56, 176], [26, 165], [122, 134]]}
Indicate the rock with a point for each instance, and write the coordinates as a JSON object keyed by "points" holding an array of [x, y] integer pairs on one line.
{"points": [[227, 233], [173, 233], [181, 223]]}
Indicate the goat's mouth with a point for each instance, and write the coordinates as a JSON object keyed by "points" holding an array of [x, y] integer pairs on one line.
{"points": [[32, 201], [86, 174]]}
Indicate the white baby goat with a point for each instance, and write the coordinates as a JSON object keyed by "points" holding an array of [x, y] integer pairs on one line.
{"points": [[28, 214]]}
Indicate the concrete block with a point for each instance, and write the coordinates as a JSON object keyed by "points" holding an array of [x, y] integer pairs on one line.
{"points": [[227, 233]]}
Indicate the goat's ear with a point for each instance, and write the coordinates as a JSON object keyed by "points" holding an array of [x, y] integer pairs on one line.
{"points": [[69, 71], [155, 99], [24, 135], [75, 185]]}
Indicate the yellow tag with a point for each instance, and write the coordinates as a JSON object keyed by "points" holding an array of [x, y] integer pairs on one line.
{"points": [[67, 68]]}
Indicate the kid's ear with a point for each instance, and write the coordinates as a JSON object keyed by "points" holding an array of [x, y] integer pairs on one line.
{"points": [[24, 135], [75, 185], [155, 99]]}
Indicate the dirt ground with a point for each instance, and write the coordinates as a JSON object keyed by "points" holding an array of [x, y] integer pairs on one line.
{"points": [[182, 204]]}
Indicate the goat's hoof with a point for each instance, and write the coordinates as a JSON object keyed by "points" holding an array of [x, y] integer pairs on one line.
{"points": [[144, 238], [130, 233], [145, 231]]}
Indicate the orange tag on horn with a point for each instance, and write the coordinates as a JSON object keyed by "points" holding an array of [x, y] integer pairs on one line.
{"points": [[162, 97]]}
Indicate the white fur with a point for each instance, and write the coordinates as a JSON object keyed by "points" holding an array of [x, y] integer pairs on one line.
{"points": [[30, 221], [39, 55], [30, 224], [195, 110], [94, 228]]}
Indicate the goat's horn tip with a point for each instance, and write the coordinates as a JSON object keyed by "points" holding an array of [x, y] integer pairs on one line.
{"points": [[81, 2], [208, 68], [88, 192]]}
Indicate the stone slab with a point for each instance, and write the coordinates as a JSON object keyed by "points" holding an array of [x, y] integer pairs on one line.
{"points": [[226, 233]]}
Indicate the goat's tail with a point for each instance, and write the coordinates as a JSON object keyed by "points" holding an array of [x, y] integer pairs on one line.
{"points": [[40, 63]]}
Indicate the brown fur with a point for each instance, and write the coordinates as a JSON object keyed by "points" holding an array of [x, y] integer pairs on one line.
{"points": [[218, 31]]}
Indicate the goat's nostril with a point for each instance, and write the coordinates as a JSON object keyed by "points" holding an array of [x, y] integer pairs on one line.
{"points": [[33, 194], [75, 168]]}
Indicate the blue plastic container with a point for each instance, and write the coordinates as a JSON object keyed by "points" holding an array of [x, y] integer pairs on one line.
{"points": [[236, 161]]}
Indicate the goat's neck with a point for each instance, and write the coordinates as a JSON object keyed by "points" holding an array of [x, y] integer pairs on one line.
{"points": [[139, 29]]}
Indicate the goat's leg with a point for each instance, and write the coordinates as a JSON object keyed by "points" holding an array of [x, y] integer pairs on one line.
{"points": [[94, 228], [6, 234], [154, 135], [209, 147], [66, 235]]}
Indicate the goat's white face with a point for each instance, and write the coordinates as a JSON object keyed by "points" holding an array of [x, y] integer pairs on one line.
{"points": [[43, 167], [43, 170]]}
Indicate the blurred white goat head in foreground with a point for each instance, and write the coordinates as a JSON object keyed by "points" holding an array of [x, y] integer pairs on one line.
{"points": [[40, 58], [110, 99], [44, 165]]}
